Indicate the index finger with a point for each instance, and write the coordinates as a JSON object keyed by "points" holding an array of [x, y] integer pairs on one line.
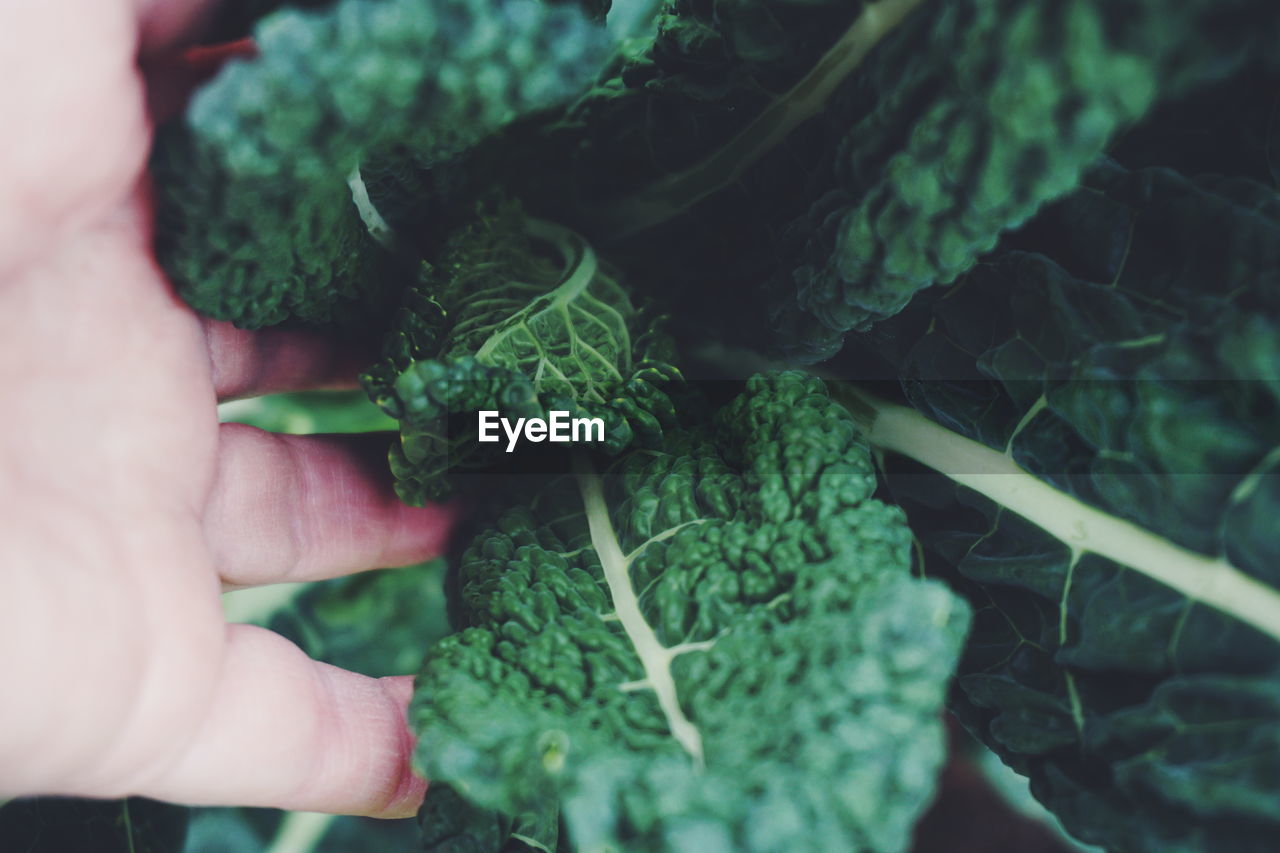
{"points": [[264, 361], [168, 24]]}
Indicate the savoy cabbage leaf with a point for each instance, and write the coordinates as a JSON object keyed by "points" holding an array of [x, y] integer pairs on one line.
{"points": [[860, 151], [518, 316], [1123, 349], [716, 645], [262, 214]]}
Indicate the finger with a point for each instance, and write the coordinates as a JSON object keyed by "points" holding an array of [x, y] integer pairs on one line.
{"points": [[296, 508], [246, 364], [284, 731], [164, 25]]}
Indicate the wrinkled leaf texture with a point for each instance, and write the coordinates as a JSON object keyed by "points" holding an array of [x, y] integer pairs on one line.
{"points": [[787, 695], [1125, 347], [256, 222], [747, 143], [520, 317]]}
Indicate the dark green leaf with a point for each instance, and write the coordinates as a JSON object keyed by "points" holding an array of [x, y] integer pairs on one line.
{"points": [[376, 623], [256, 220], [62, 825], [1124, 351]]}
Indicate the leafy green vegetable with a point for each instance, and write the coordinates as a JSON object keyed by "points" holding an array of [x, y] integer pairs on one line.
{"points": [[1134, 367], [451, 824], [715, 646], [375, 623], [1021, 97], [499, 324], [716, 120], [57, 824], [864, 151], [256, 215]]}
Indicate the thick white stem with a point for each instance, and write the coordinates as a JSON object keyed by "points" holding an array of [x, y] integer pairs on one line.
{"points": [[300, 831], [1081, 527], [378, 227], [655, 658]]}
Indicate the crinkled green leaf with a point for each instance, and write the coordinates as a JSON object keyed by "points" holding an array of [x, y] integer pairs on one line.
{"points": [[57, 824], [718, 645], [256, 220], [852, 154], [1125, 351], [519, 317]]}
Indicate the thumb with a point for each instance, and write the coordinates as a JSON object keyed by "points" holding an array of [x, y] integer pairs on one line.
{"points": [[285, 731]]}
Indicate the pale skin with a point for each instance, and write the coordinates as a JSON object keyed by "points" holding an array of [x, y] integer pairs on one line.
{"points": [[127, 508]]}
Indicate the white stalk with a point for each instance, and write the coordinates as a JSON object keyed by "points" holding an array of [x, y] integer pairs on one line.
{"points": [[300, 832], [655, 658], [784, 113], [378, 227], [1084, 529]]}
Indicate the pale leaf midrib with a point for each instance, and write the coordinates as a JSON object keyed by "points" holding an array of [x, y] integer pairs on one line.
{"points": [[655, 659], [1081, 527], [681, 190]]}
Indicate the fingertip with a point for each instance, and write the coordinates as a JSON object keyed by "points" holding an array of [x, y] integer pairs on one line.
{"points": [[246, 363], [408, 796], [419, 533], [284, 731], [163, 25]]}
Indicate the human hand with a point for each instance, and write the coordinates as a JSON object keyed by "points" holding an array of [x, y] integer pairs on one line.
{"points": [[127, 507]]}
